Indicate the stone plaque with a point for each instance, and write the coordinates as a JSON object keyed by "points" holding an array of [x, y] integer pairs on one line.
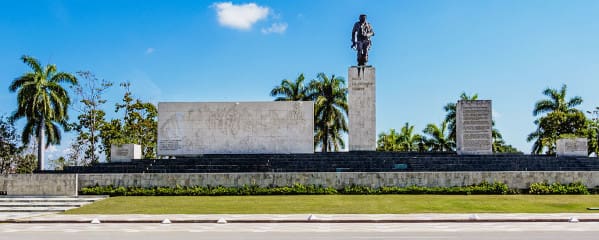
{"points": [[195, 128], [125, 152], [473, 127], [362, 108], [572, 147]]}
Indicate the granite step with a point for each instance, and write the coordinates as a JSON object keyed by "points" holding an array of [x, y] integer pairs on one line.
{"points": [[44, 204], [35, 209]]}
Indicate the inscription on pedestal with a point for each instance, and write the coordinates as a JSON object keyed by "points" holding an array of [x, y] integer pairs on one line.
{"points": [[362, 109], [125, 152], [572, 147], [473, 127], [196, 128]]}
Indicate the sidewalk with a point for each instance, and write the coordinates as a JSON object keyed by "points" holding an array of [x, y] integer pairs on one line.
{"points": [[303, 218]]}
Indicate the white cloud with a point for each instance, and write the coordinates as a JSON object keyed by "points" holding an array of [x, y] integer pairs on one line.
{"points": [[150, 51], [241, 16], [275, 28]]}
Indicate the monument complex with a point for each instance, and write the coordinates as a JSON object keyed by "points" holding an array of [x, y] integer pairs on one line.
{"points": [[272, 144]]}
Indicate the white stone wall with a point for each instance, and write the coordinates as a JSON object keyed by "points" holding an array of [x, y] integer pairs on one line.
{"points": [[39, 184], [520, 180], [195, 128], [474, 125], [362, 109]]}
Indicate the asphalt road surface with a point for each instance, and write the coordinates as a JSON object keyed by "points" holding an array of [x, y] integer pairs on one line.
{"points": [[292, 231]]}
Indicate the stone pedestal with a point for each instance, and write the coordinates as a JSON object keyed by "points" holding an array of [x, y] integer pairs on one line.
{"points": [[362, 108], [473, 127], [196, 128], [572, 147], [125, 152]]}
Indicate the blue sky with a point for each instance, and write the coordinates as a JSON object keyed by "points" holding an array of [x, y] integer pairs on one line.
{"points": [[426, 52]]}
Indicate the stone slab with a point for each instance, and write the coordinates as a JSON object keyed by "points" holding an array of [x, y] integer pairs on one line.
{"points": [[362, 108], [474, 126], [196, 128], [125, 152], [572, 147]]}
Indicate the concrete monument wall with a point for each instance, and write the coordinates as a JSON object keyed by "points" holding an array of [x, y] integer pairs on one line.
{"points": [[195, 128], [572, 147], [39, 184], [473, 127], [362, 108], [520, 180], [69, 184]]}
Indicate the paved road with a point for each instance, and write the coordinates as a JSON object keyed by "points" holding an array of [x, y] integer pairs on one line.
{"points": [[469, 231]]}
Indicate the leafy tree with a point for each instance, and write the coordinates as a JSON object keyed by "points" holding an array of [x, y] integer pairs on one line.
{"points": [[26, 163], [330, 112], [554, 126], [293, 91], [436, 138], [139, 125], [9, 146], [43, 102], [561, 118], [91, 116]]}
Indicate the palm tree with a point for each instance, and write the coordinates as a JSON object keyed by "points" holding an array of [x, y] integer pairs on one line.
{"points": [[408, 141], [330, 112], [292, 91], [437, 139], [451, 109], [43, 102], [388, 141], [555, 103]]}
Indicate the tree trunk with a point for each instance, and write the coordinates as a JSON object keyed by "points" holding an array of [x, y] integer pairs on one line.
{"points": [[40, 147]]}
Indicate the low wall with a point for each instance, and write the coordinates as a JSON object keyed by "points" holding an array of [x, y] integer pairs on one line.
{"points": [[39, 184], [520, 180], [69, 184]]}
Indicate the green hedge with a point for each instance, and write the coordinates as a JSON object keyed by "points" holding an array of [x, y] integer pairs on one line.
{"points": [[557, 188], [299, 189]]}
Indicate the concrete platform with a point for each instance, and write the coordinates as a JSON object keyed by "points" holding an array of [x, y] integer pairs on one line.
{"points": [[21, 204]]}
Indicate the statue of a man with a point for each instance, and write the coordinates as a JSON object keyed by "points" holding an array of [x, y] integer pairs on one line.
{"points": [[360, 38]]}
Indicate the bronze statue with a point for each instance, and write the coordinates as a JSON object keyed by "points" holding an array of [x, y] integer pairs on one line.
{"points": [[360, 38]]}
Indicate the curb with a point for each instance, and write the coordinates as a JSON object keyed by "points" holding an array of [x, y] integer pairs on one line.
{"points": [[301, 221]]}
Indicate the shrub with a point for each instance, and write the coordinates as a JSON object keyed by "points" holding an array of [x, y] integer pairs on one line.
{"points": [[296, 189], [557, 188]]}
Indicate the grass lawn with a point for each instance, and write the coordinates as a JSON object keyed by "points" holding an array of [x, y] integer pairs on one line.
{"points": [[330, 204]]}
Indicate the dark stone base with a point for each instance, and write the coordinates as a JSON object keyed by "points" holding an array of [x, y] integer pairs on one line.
{"points": [[346, 162]]}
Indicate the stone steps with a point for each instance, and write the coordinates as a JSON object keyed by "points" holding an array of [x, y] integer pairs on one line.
{"points": [[44, 204], [346, 162]]}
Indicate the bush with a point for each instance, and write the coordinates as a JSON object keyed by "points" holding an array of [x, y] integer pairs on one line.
{"points": [[557, 188], [299, 189], [296, 189]]}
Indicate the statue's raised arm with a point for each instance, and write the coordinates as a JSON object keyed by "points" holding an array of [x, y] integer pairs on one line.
{"points": [[360, 37]]}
